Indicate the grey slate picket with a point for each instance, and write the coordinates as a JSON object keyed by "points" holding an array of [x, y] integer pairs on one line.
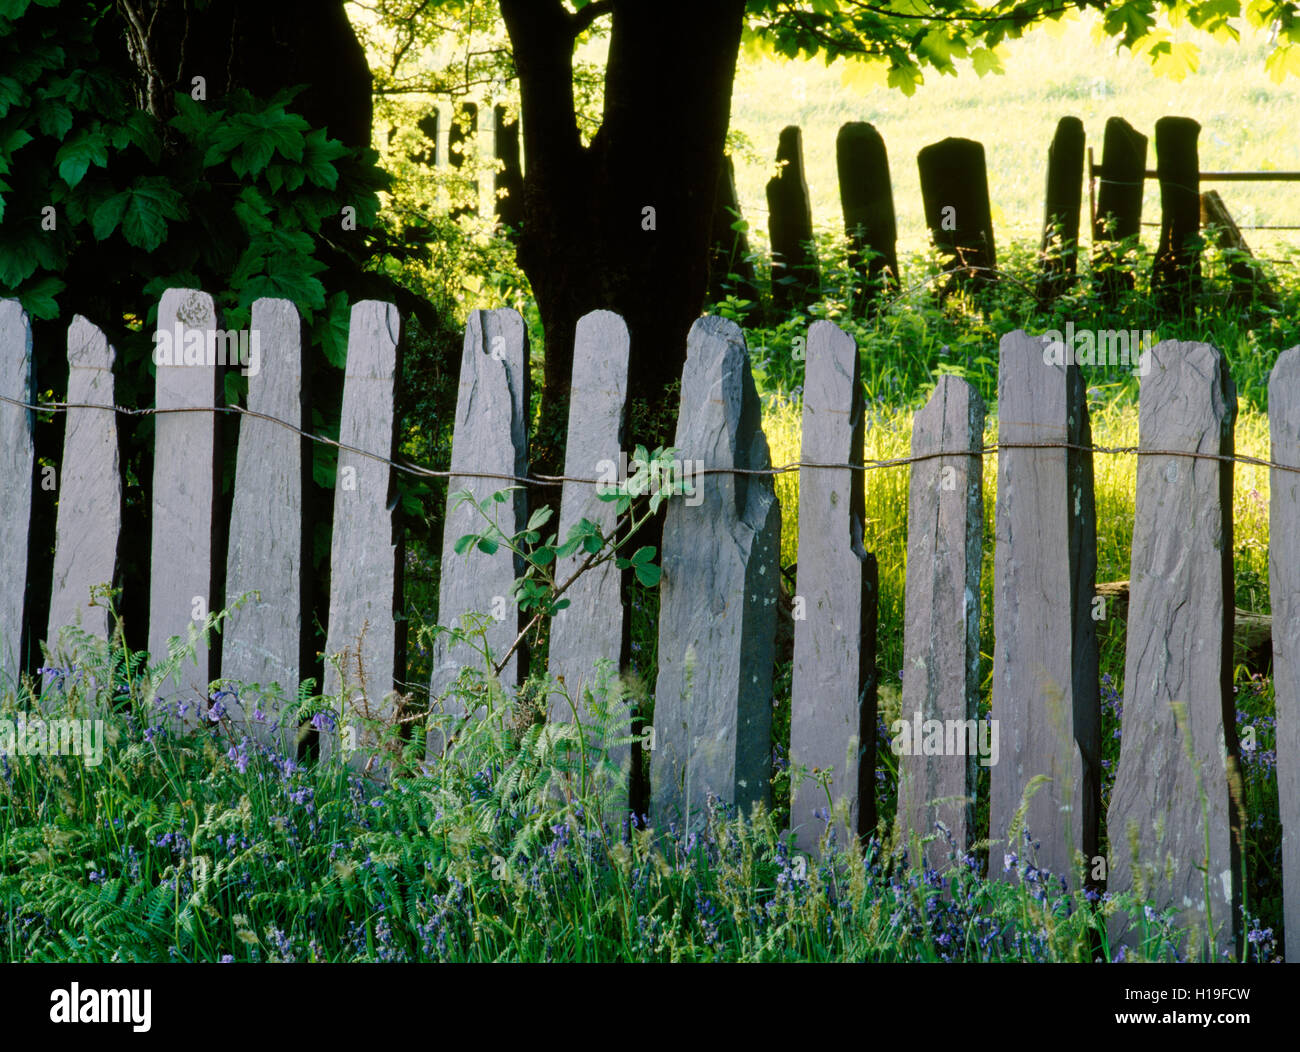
{"points": [[941, 638], [590, 629], [184, 501], [832, 716], [1172, 792], [89, 521], [263, 637], [1284, 591], [718, 593], [17, 455], [1045, 690], [490, 436], [363, 555]]}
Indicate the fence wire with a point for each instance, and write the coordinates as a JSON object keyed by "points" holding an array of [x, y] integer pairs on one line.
{"points": [[868, 464]]}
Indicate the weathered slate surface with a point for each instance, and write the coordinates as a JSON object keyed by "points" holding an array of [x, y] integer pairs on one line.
{"points": [[1284, 590], [1060, 248], [263, 638], [833, 708], [491, 436], [17, 455], [363, 552], [184, 498], [790, 226], [89, 520], [941, 637], [1179, 652], [1045, 691], [591, 627], [717, 614], [867, 199]]}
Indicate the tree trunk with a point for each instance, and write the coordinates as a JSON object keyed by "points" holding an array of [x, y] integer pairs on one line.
{"points": [[624, 223], [256, 46]]}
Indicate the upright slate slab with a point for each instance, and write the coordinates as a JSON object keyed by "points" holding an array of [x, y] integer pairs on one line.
{"points": [[955, 191], [941, 635], [794, 265], [1060, 248], [867, 198], [1176, 270], [717, 608], [263, 638], [181, 590], [1045, 691], [508, 182], [1284, 591], [89, 520], [730, 268], [1179, 653], [590, 629], [363, 552], [490, 436], [1119, 201], [833, 707], [17, 455]]}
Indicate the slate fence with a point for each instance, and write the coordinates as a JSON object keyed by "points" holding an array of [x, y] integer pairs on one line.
{"points": [[1177, 793], [958, 214]]}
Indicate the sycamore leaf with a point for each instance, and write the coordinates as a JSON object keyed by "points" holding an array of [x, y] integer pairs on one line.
{"points": [[153, 202], [88, 146], [38, 297], [109, 214], [1284, 60], [1180, 59]]}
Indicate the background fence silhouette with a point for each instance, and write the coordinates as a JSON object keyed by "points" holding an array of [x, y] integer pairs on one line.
{"points": [[1177, 794]]}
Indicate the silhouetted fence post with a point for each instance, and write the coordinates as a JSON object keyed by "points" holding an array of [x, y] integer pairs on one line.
{"points": [[955, 189], [867, 199], [730, 258], [1119, 203], [508, 182], [795, 278], [1060, 247], [1176, 272]]}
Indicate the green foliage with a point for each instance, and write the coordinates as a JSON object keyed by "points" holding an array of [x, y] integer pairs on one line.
{"points": [[894, 43], [206, 846]]}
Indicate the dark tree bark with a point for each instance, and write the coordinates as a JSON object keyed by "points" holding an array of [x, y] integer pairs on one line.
{"points": [[257, 46], [588, 241]]}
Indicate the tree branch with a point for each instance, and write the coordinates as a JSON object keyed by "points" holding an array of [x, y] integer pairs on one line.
{"points": [[581, 21]]}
